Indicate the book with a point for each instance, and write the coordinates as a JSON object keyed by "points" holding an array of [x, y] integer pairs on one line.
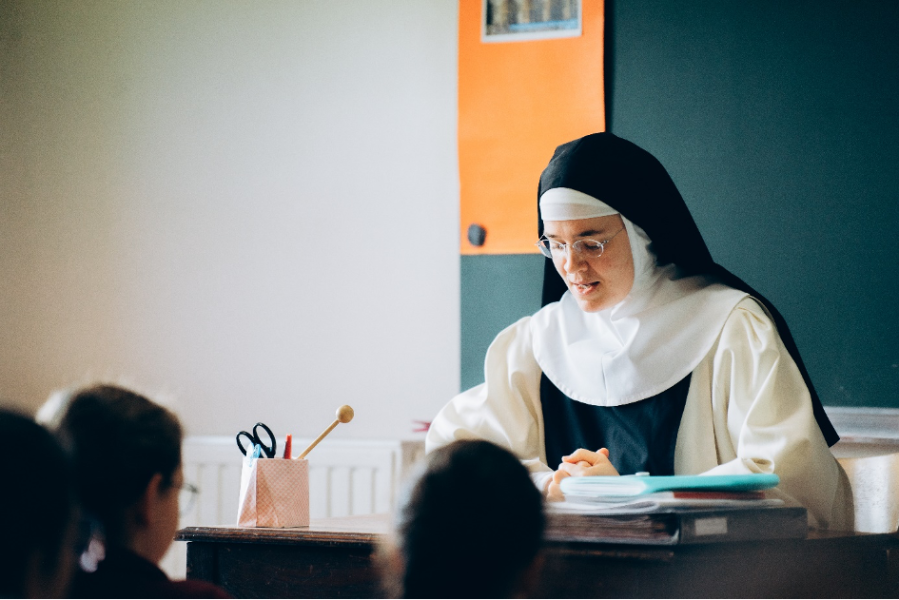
{"points": [[605, 489], [711, 495], [677, 526]]}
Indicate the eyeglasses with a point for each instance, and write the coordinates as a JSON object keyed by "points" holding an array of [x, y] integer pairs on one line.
{"points": [[187, 498], [589, 248]]}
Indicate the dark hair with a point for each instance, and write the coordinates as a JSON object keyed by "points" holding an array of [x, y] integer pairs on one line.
{"points": [[118, 440], [472, 524], [36, 502]]}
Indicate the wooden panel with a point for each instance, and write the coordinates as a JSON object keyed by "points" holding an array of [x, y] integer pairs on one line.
{"points": [[202, 561], [256, 571], [845, 567], [334, 558], [517, 102]]}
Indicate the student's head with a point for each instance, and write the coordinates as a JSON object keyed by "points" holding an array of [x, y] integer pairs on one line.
{"points": [[37, 552], [470, 526], [126, 452]]}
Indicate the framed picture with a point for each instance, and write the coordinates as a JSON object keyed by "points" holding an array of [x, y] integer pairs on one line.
{"points": [[524, 20]]}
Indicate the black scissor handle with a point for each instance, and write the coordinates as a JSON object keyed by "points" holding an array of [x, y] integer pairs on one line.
{"points": [[269, 451], [249, 438]]}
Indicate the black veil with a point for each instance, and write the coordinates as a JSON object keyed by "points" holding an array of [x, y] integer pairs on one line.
{"points": [[634, 182]]}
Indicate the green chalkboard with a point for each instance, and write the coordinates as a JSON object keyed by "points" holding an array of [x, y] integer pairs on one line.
{"points": [[779, 122], [497, 290]]}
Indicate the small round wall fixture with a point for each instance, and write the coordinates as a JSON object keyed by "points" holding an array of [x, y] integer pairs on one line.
{"points": [[476, 234]]}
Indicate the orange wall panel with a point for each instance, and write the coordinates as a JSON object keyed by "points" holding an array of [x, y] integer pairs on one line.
{"points": [[517, 102]]}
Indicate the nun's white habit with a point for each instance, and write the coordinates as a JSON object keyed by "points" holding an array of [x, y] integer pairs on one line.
{"points": [[692, 373]]}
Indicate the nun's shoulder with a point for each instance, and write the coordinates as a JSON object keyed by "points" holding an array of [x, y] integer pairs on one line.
{"points": [[516, 335], [511, 350], [750, 321], [750, 308]]}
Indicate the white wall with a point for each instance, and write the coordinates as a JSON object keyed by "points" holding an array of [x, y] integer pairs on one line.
{"points": [[250, 208]]}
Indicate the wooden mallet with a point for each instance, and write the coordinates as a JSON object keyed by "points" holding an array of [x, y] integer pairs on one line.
{"points": [[344, 415]]}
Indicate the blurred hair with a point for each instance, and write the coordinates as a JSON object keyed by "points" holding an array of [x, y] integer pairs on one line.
{"points": [[118, 440], [471, 525], [36, 504]]}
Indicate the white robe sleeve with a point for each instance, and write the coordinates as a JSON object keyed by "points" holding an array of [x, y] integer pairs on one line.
{"points": [[505, 409], [749, 411]]}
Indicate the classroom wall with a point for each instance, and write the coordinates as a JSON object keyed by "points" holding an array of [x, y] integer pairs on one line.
{"points": [[248, 208], [777, 121]]}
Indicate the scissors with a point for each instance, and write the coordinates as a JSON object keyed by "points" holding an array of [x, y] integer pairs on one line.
{"points": [[269, 450]]}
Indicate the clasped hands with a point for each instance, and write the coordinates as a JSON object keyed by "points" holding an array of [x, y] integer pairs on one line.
{"points": [[579, 463]]}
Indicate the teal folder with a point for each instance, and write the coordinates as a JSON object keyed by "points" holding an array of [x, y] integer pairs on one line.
{"points": [[629, 486]]}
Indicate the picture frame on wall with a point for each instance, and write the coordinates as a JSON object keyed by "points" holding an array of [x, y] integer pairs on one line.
{"points": [[526, 20]]}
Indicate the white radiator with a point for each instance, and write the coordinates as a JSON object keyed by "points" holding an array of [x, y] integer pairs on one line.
{"points": [[345, 478]]}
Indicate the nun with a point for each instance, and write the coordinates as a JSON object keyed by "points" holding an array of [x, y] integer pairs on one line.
{"points": [[647, 356]]}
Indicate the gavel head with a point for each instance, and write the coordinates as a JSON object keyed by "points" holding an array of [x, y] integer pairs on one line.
{"points": [[345, 414]]}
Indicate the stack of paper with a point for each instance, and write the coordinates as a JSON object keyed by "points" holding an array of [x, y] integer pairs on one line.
{"points": [[635, 493]]}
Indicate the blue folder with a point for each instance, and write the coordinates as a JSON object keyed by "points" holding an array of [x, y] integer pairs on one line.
{"points": [[629, 486]]}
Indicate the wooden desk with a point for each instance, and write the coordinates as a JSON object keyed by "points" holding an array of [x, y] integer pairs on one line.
{"points": [[333, 559]]}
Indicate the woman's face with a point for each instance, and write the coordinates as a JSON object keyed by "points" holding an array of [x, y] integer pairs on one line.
{"points": [[595, 283]]}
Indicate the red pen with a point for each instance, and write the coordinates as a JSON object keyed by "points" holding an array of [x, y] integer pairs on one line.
{"points": [[287, 448]]}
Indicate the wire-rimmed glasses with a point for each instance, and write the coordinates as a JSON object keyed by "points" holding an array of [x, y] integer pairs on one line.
{"points": [[588, 247], [187, 498]]}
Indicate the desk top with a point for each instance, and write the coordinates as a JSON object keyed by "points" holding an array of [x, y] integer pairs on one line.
{"points": [[334, 558], [369, 530], [354, 530]]}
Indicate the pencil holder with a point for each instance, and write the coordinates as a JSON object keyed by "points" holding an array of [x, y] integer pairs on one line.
{"points": [[274, 492]]}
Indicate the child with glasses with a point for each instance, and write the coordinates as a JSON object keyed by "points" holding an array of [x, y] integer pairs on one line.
{"points": [[126, 453]]}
